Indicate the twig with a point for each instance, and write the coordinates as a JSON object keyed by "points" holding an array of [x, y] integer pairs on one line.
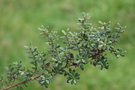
{"points": [[23, 82]]}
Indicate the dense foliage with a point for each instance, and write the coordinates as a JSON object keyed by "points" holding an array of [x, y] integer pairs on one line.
{"points": [[89, 45]]}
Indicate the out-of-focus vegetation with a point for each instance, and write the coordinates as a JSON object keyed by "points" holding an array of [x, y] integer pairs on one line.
{"points": [[19, 20]]}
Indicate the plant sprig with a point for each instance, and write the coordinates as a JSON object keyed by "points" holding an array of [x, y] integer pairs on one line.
{"points": [[90, 45]]}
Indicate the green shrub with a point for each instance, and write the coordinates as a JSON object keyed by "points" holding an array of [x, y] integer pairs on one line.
{"points": [[89, 45]]}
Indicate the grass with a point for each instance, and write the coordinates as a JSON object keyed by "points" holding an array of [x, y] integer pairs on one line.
{"points": [[19, 20]]}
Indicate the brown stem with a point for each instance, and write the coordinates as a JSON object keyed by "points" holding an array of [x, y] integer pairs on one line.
{"points": [[23, 82]]}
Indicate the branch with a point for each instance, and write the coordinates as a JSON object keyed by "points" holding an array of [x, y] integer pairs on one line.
{"points": [[23, 82]]}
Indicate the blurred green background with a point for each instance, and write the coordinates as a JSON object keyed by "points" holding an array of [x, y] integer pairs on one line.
{"points": [[19, 20]]}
